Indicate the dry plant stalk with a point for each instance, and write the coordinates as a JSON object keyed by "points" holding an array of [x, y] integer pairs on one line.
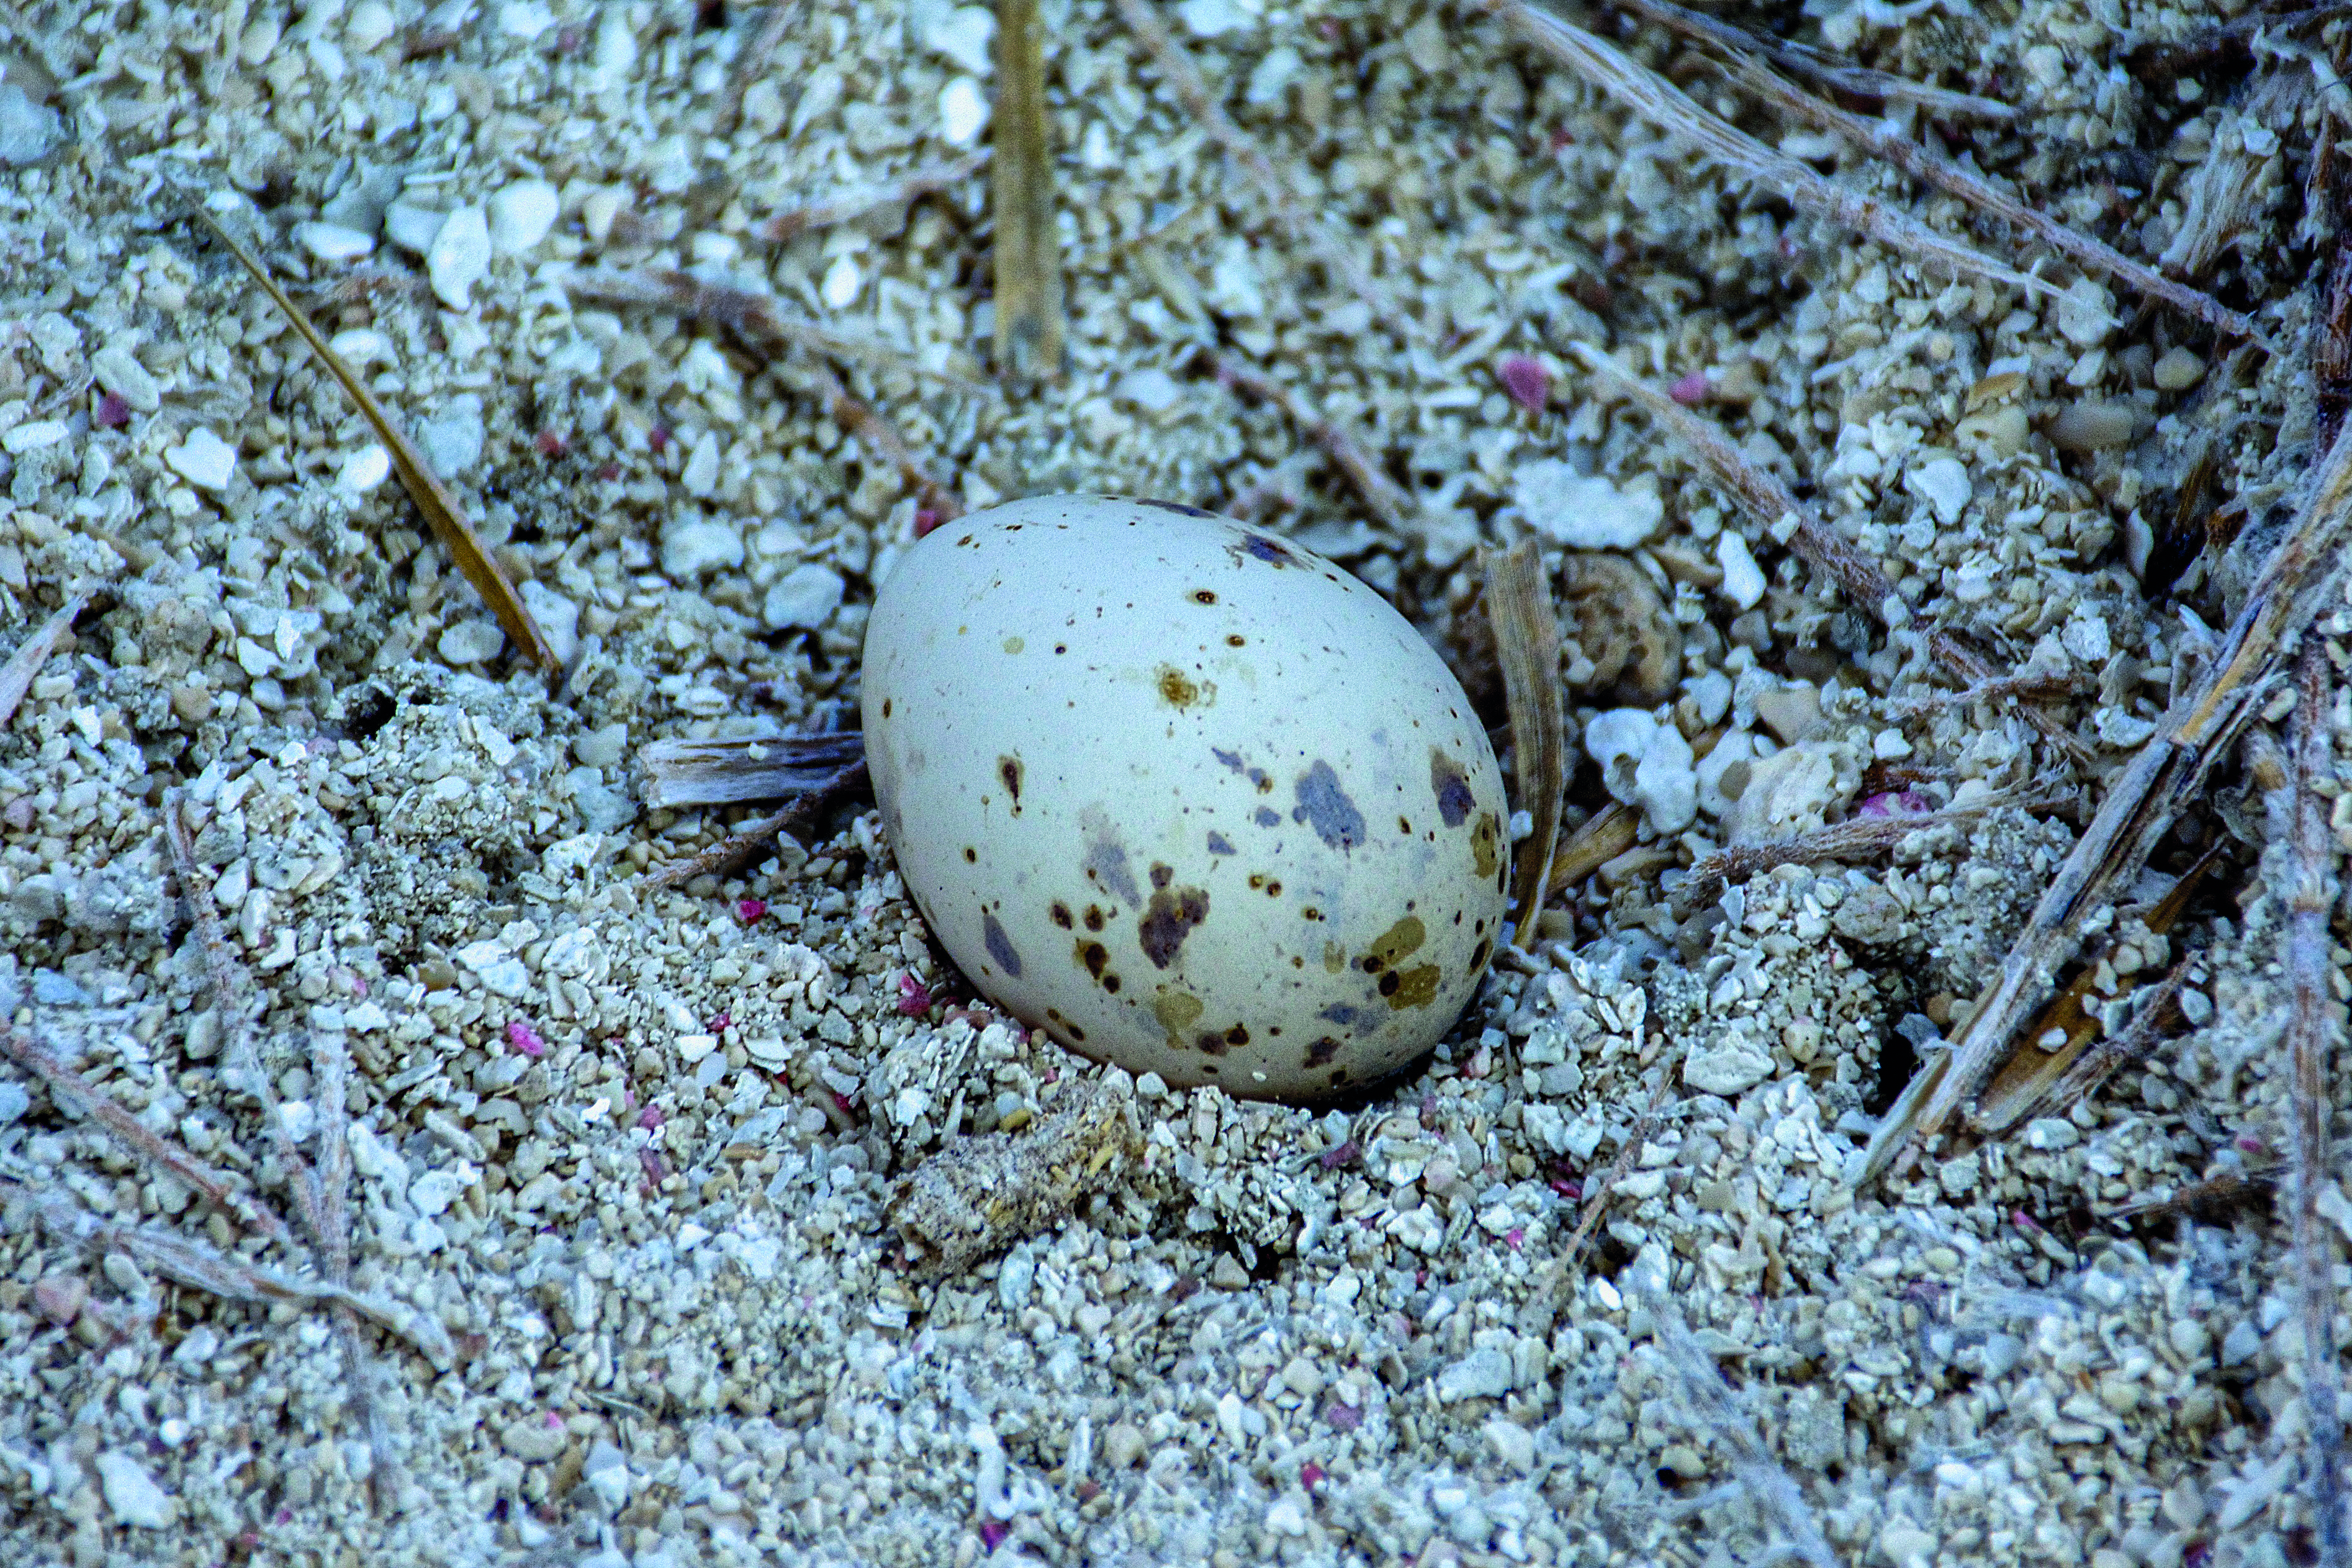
{"points": [[232, 1279], [1030, 328], [2221, 198], [2305, 569], [1921, 164], [753, 320], [1666, 106], [1389, 501], [742, 844], [980, 1195], [1184, 78], [2211, 1200], [16, 676], [1856, 840], [2312, 1027], [1767, 499], [1860, 81], [721, 773], [1526, 639], [2062, 1087], [848, 206], [1607, 834], [416, 476], [2037, 1074], [158, 1151], [751, 62]]}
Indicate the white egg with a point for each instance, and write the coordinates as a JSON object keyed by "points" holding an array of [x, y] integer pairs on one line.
{"points": [[1189, 797]]}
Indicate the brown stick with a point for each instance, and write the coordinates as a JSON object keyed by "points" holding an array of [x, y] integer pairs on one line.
{"points": [[850, 206], [1858, 81], [2312, 1027], [1527, 636], [1388, 501], [134, 1134], [1030, 326]]}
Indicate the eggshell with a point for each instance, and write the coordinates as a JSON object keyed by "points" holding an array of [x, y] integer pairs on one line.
{"points": [[1186, 796]]}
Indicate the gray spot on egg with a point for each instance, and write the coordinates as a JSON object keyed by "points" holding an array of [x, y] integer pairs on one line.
{"points": [[1105, 861], [1324, 807], [1000, 946], [1447, 783]]}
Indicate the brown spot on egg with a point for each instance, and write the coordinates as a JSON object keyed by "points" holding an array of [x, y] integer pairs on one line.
{"points": [[1009, 770], [1177, 1011], [1479, 954], [1485, 841], [1204, 596], [1410, 987], [1176, 689], [1173, 913], [887, 704], [1237, 1036], [1320, 1052], [1210, 1042], [1093, 955], [1061, 913], [1094, 917], [1393, 945]]}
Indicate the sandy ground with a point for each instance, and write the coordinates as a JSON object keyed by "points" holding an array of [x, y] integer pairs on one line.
{"points": [[562, 1220]]}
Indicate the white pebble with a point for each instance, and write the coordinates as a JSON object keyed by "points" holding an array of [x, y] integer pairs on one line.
{"points": [[118, 371], [203, 459], [370, 24], [521, 215], [458, 256], [1743, 580], [1213, 18], [1943, 484], [2085, 314], [28, 130], [1580, 511], [694, 547], [525, 19], [2177, 371], [804, 596], [452, 438], [32, 435], [842, 281], [963, 34], [260, 39], [360, 347], [366, 468], [331, 242], [132, 1493], [1153, 391], [700, 476], [963, 113], [471, 642], [413, 228], [558, 617]]}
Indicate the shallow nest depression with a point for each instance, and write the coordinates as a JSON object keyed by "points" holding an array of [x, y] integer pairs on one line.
{"points": [[396, 1168]]}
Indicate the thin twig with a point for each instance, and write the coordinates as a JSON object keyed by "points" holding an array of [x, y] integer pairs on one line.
{"points": [[1666, 106], [866, 426], [1527, 636], [745, 842], [2304, 569], [17, 675], [1389, 501], [1791, 523], [232, 1279], [2312, 1026], [1855, 839], [1888, 146], [753, 319], [1029, 325], [848, 206], [1607, 834], [754, 59], [1858, 80], [1184, 78], [213, 1185], [2149, 1028]]}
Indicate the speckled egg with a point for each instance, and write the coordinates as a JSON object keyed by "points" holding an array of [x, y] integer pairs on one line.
{"points": [[1189, 797]]}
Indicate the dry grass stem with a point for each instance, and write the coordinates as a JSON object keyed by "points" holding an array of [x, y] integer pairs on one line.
{"points": [[1665, 106], [2037, 1075], [1388, 501], [848, 206], [1527, 638], [1607, 834], [740, 845], [1770, 502], [2224, 194], [425, 487], [722, 772], [754, 319], [135, 1135], [2149, 1027], [2304, 570], [2313, 1025], [2213, 1200], [865, 425], [1030, 326], [1857, 839], [1838, 77], [1914, 160], [331, 1067], [755, 59], [16, 676], [1185, 80], [199, 1268], [1714, 1407]]}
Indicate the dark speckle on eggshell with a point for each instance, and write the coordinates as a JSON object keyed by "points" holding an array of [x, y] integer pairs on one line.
{"points": [[1000, 947], [1173, 913], [1447, 782], [1325, 806]]}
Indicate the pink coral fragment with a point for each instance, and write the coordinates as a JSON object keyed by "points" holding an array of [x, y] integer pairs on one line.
{"points": [[1526, 381], [1310, 1475], [914, 996], [1690, 391], [525, 1039], [749, 910], [1894, 803]]}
